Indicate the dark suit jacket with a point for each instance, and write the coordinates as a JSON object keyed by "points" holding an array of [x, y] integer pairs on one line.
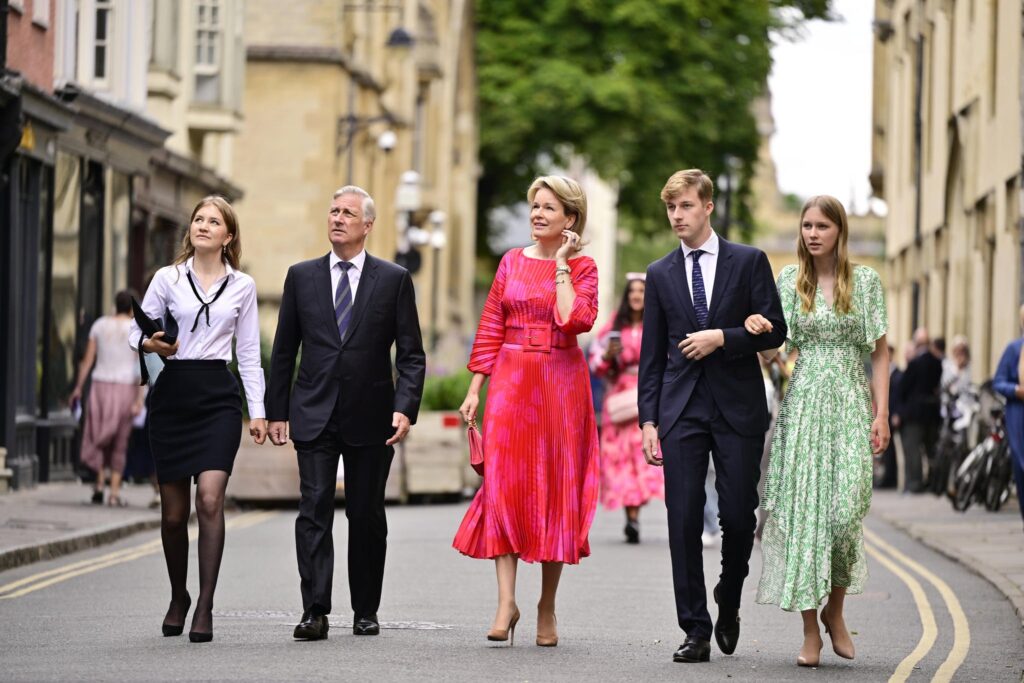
{"points": [[743, 285], [359, 371], [919, 390]]}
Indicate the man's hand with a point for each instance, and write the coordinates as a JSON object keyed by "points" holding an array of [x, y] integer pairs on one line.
{"points": [[156, 345], [278, 432], [698, 345], [401, 424], [258, 430], [650, 443]]}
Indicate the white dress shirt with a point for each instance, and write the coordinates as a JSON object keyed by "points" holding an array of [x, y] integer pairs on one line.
{"points": [[708, 264], [233, 315], [357, 261]]}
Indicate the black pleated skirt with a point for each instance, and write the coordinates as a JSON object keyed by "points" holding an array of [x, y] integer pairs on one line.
{"points": [[195, 419]]}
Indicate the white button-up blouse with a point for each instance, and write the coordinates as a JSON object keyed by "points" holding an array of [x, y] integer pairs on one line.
{"points": [[234, 314]]}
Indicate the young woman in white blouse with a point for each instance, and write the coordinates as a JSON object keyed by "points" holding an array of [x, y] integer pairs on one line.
{"points": [[195, 410]]}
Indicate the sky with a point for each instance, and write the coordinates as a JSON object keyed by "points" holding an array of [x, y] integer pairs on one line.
{"points": [[821, 102]]}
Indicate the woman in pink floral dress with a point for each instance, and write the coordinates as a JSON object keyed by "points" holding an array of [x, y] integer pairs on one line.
{"points": [[626, 478]]}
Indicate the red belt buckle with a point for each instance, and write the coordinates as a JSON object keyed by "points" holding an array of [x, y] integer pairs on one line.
{"points": [[538, 338]]}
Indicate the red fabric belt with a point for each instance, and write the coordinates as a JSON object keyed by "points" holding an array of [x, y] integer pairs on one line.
{"points": [[539, 338]]}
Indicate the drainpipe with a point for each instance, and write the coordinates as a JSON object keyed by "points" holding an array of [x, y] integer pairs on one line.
{"points": [[918, 98]]}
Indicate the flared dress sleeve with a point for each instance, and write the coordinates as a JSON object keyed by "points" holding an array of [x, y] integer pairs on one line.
{"points": [[870, 303], [490, 333], [786, 284], [584, 308]]}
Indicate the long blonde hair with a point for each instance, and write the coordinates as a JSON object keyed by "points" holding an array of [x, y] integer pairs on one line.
{"points": [[232, 253], [807, 278]]}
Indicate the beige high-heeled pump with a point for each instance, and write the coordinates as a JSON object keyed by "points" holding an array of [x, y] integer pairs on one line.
{"points": [[548, 640], [808, 660], [845, 654], [500, 635]]}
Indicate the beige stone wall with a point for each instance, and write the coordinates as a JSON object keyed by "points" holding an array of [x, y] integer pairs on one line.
{"points": [[309, 65], [964, 258]]}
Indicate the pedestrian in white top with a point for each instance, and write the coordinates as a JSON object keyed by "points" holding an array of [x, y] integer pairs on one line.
{"points": [[114, 398], [195, 411]]}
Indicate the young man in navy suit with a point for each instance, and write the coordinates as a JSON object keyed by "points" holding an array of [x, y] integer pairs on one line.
{"points": [[701, 392]]}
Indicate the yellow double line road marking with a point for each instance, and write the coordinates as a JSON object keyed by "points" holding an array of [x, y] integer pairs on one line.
{"points": [[41, 580], [891, 559]]}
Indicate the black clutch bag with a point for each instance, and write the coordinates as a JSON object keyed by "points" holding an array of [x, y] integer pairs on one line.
{"points": [[149, 327]]}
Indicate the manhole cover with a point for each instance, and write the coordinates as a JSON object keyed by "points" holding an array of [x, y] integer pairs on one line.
{"points": [[36, 525]]}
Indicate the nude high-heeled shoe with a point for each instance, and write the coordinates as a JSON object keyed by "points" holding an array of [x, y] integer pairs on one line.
{"points": [[838, 649], [500, 635], [809, 657], [548, 640]]}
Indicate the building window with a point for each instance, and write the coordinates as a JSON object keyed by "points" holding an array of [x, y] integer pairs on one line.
{"points": [[208, 50], [104, 10], [41, 13]]}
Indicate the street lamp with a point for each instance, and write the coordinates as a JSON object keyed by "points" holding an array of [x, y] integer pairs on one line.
{"points": [[438, 240], [727, 181], [408, 201]]}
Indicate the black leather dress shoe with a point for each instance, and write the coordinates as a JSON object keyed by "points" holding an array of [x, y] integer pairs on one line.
{"points": [[366, 626], [312, 627], [727, 627], [693, 650]]}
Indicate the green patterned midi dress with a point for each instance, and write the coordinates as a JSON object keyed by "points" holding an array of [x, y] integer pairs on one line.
{"points": [[818, 486]]}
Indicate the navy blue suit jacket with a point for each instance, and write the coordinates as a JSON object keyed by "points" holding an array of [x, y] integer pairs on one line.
{"points": [[358, 370], [743, 285]]}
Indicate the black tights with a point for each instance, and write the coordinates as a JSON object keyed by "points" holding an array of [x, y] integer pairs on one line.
{"points": [[175, 506]]}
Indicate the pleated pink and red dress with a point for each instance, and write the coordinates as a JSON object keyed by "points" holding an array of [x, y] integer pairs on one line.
{"points": [[541, 469]]}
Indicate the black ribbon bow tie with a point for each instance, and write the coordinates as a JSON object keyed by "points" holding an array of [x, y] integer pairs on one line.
{"points": [[205, 308]]}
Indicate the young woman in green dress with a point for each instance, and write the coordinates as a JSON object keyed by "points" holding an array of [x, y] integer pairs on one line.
{"points": [[818, 486]]}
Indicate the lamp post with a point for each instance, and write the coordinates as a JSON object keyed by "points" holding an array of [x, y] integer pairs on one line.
{"points": [[407, 202], [727, 181], [399, 40], [438, 241]]}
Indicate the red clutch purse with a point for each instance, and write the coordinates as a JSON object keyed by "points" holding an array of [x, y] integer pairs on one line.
{"points": [[476, 448]]}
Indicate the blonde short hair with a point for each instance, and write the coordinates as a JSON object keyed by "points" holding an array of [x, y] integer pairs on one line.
{"points": [[682, 180], [569, 194]]}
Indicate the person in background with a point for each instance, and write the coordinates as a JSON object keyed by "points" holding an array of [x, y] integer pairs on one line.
{"points": [[626, 478], [919, 410], [114, 398], [1007, 381], [956, 370]]}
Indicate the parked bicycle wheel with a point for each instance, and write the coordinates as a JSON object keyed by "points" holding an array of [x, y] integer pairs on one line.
{"points": [[997, 486], [968, 477]]}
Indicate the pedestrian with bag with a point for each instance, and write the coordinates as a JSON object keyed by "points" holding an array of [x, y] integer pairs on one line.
{"points": [[195, 410], [541, 477], [627, 480]]}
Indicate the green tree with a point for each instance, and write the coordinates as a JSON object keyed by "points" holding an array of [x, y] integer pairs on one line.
{"points": [[638, 88]]}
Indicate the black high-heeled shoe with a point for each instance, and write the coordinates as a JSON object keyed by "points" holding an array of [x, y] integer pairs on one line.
{"points": [[195, 636], [176, 629]]}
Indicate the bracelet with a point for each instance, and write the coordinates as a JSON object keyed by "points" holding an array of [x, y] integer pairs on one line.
{"points": [[562, 269]]}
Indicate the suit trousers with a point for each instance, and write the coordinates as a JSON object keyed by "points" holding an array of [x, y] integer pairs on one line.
{"points": [[366, 473], [700, 430], [918, 438]]}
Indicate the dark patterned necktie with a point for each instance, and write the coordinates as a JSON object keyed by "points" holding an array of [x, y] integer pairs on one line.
{"points": [[343, 300], [700, 299]]}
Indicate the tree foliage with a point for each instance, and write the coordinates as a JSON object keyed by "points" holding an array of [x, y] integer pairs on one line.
{"points": [[637, 88]]}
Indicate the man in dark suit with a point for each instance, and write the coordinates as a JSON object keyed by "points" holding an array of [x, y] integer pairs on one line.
{"points": [[701, 391], [920, 414], [346, 309]]}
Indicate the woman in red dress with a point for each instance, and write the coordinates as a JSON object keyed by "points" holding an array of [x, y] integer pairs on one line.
{"points": [[627, 480], [541, 476]]}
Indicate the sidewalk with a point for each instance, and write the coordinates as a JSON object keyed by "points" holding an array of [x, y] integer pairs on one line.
{"points": [[56, 519], [991, 544]]}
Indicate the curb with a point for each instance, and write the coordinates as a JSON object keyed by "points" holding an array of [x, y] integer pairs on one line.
{"points": [[28, 554], [1001, 582]]}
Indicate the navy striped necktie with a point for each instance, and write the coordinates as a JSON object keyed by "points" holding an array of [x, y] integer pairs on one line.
{"points": [[343, 300], [700, 299]]}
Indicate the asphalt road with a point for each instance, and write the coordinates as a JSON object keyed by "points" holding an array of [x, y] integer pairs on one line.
{"points": [[96, 615]]}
